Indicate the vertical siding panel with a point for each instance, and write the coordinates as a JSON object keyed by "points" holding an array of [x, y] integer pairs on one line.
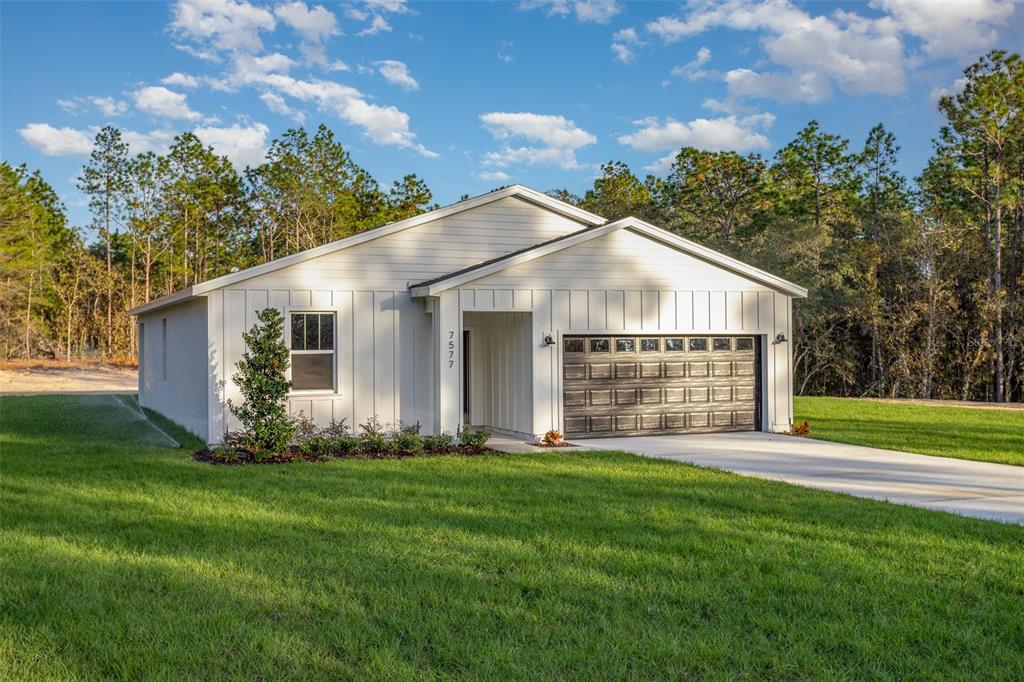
{"points": [[579, 310], [766, 312], [597, 309], [256, 301], [485, 299], [734, 311], [632, 306], [503, 299], [345, 368], [322, 299], [279, 299], [615, 312], [301, 298], [684, 310], [560, 322], [750, 311], [384, 356], [215, 360], [649, 310], [522, 299], [363, 362], [234, 345], [717, 309], [667, 313], [467, 299], [405, 362], [541, 359], [701, 311]]}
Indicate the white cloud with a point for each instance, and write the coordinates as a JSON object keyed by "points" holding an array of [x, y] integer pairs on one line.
{"points": [[388, 6], [378, 25], [958, 28], [386, 125], [495, 176], [181, 80], [315, 25], [249, 69], [222, 25], [691, 70], [51, 141], [857, 54], [157, 141], [71, 106], [397, 73], [278, 105], [596, 11], [337, 65], [159, 101], [244, 146], [108, 106], [505, 51], [804, 87], [940, 91], [727, 133], [559, 136], [623, 42]]}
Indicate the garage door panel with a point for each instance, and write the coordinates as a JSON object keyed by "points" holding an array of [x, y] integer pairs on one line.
{"points": [[647, 385]]}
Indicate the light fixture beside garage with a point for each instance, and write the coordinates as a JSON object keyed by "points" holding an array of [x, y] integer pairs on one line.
{"points": [[779, 338], [549, 340]]}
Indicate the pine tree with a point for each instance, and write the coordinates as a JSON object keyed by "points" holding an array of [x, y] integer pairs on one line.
{"points": [[262, 381]]}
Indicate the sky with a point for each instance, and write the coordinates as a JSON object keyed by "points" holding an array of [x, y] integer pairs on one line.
{"points": [[475, 95]]}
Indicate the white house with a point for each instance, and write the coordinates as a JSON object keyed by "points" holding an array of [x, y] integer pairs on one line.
{"points": [[511, 310]]}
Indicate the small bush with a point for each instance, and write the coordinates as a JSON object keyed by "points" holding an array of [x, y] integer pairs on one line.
{"points": [[225, 454], [409, 428], [407, 444], [473, 441], [321, 446], [338, 429], [373, 427], [375, 444], [439, 443], [803, 429], [346, 446]]}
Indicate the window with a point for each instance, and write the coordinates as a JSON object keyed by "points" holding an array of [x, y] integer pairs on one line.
{"points": [[674, 345], [598, 345], [698, 344], [650, 345], [625, 345], [573, 345], [722, 344], [312, 351], [163, 349], [745, 344]]}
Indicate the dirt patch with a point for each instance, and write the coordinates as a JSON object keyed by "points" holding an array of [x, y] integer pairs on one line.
{"points": [[949, 403], [42, 377]]}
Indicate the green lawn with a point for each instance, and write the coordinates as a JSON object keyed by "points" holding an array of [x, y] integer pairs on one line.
{"points": [[988, 435], [121, 558]]}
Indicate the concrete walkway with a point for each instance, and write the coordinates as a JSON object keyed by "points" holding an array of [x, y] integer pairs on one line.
{"points": [[981, 489]]}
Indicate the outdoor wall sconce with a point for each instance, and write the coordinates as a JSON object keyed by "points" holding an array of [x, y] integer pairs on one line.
{"points": [[549, 340], [779, 338]]}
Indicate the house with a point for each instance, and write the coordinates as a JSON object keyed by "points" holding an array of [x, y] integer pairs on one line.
{"points": [[510, 310]]}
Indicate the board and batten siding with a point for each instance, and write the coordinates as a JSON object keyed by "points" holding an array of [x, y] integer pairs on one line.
{"points": [[629, 283], [500, 370], [174, 375], [384, 338]]}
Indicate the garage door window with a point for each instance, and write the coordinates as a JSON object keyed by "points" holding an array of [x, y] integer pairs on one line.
{"points": [[625, 345], [722, 344], [745, 344], [698, 344], [650, 345], [573, 345], [312, 346], [599, 346], [674, 345]]}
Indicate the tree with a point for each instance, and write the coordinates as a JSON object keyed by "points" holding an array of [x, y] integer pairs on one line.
{"points": [[102, 180], [261, 379], [617, 193]]}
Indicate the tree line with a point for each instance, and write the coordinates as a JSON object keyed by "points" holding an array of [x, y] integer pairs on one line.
{"points": [[915, 285]]}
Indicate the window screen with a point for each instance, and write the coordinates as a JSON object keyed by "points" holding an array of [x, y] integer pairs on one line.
{"points": [[312, 345]]}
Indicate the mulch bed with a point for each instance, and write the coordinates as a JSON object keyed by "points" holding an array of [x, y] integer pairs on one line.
{"points": [[562, 444], [293, 454]]}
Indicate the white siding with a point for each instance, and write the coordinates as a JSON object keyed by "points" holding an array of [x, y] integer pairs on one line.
{"points": [[628, 282], [178, 393], [384, 338]]}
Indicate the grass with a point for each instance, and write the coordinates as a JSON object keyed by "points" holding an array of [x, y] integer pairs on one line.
{"points": [[987, 435], [123, 559]]}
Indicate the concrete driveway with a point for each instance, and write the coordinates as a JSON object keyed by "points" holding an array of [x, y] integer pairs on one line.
{"points": [[991, 491]]}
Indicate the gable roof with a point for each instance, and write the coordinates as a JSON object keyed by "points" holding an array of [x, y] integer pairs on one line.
{"points": [[433, 287], [518, 191]]}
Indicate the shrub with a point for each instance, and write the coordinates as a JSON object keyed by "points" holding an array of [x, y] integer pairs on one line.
{"points": [[473, 441], [320, 446], [337, 429], [553, 438], [439, 443], [373, 427], [407, 444], [264, 387], [375, 444], [346, 446], [225, 454], [803, 429]]}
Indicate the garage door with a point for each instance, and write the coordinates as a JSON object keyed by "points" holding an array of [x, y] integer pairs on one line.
{"points": [[646, 385]]}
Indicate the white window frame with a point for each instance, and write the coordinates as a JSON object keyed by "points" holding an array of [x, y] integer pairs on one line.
{"points": [[333, 390]]}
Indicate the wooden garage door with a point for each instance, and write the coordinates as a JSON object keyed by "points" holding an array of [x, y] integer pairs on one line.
{"points": [[645, 385]]}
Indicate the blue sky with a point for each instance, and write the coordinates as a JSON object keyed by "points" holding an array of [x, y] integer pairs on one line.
{"points": [[474, 95]]}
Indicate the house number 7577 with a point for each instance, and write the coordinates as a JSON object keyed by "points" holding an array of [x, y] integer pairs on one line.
{"points": [[451, 349]]}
